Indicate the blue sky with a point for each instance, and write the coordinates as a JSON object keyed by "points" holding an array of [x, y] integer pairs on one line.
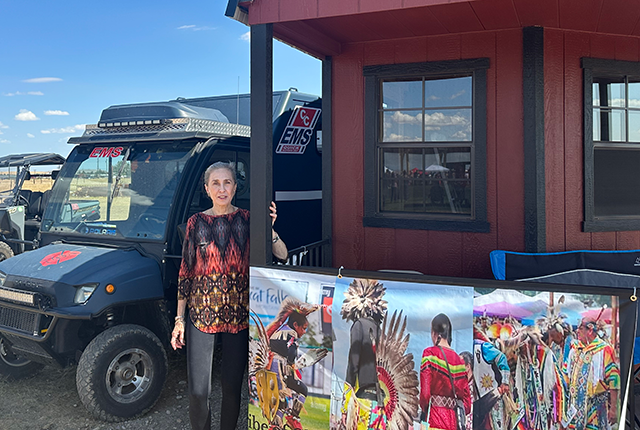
{"points": [[61, 63]]}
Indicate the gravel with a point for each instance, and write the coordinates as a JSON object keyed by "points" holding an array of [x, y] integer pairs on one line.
{"points": [[48, 401]]}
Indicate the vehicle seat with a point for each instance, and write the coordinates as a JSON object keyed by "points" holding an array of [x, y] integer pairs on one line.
{"points": [[35, 202]]}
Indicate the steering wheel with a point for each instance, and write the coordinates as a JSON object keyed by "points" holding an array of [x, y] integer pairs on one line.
{"points": [[23, 198]]}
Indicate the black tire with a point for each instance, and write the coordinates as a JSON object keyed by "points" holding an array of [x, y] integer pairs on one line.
{"points": [[5, 251], [129, 355], [14, 367]]}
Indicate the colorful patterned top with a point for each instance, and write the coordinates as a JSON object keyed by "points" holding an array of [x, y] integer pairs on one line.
{"points": [[591, 373], [435, 387], [214, 274]]}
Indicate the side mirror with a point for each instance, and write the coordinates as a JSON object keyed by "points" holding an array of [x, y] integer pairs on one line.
{"points": [[27, 176], [54, 174]]}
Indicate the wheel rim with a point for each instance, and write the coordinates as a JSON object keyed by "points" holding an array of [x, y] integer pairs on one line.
{"points": [[129, 375], [10, 359]]}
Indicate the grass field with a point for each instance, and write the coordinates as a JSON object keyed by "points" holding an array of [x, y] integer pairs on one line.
{"points": [[315, 415], [34, 184]]}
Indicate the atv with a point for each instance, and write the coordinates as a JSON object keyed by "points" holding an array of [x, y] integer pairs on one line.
{"points": [[23, 200]]}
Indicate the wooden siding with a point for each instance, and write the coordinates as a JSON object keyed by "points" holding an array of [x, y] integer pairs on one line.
{"points": [[430, 252], [564, 141], [466, 254]]}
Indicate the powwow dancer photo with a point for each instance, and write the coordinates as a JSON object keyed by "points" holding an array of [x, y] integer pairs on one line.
{"points": [[443, 380], [593, 379], [275, 365], [363, 304], [397, 384], [491, 376], [539, 385], [562, 356]]}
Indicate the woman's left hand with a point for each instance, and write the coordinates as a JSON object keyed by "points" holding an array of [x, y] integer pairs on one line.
{"points": [[272, 213]]}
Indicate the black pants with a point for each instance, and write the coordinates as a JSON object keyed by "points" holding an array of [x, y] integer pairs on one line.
{"points": [[235, 350]]}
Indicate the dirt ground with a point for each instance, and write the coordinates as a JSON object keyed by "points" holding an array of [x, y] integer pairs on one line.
{"points": [[49, 401]]}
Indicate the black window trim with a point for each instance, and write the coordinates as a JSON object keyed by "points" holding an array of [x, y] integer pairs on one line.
{"points": [[606, 67], [372, 75]]}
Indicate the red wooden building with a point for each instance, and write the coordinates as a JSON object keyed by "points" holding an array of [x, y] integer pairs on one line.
{"points": [[455, 127]]}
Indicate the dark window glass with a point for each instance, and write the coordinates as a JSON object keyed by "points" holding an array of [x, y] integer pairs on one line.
{"points": [[429, 180], [617, 182]]}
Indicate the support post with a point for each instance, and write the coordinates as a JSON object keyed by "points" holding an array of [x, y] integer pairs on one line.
{"points": [[327, 180], [535, 228], [261, 169]]}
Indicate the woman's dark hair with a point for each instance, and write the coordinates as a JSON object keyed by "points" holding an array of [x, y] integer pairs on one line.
{"points": [[441, 325], [296, 317], [468, 358]]}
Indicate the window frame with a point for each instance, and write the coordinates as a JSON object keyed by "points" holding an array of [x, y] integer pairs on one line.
{"points": [[373, 77], [612, 68]]}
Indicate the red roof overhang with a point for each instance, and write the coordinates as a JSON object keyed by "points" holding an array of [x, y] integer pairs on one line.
{"points": [[321, 27]]}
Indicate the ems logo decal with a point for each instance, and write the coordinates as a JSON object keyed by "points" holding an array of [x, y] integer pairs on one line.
{"points": [[58, 257], [297, 135]]}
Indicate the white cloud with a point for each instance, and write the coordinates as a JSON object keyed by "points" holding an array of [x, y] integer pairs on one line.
{"points": [[5, 141], [3, 126], [30, 135], [41, 80], [28, 93], [246, 36], [439, 118], [56, 112], [458, 94], [64, 130], [26, 115], [194, 27]]}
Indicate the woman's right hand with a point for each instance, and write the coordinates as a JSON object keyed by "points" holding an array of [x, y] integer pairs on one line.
{"points": [[177, 336]]}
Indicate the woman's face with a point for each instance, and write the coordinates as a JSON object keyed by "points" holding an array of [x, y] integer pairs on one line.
{"points": [[221, 187]]}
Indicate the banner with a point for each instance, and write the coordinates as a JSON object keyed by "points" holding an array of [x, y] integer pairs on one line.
{"points": [[544, 360], [290, 350], [386, 371], [368, 353]]}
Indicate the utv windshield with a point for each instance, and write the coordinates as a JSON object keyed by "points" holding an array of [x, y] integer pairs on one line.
{"points": [[118, 191]]}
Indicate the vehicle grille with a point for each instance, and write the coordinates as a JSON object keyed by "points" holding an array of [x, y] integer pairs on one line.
{"points": [[20, 320]]}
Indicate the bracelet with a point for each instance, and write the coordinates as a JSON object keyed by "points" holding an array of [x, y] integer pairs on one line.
{"points": [[275, 239], [180, 318]]}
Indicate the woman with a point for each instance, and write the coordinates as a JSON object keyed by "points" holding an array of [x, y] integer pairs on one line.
{"points": [[441, 367], [214, 284]]}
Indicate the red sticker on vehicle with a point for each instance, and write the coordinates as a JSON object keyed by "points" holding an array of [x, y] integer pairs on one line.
{"points": [[100, 152], [59, 257]]}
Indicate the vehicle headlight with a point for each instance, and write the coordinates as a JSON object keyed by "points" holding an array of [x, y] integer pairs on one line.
{"points": [[2, 278], [84, 292]]}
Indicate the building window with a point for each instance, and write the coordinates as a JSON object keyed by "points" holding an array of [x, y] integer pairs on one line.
{"points": [[612, 145], [425, 140]]}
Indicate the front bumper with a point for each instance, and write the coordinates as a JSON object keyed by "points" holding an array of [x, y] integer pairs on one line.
{"points": [[30, 332]]}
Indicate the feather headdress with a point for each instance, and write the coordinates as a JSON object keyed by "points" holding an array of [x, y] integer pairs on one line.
{"points": [[554, 319], [397, 376], [288, 306], [363, 298]]}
